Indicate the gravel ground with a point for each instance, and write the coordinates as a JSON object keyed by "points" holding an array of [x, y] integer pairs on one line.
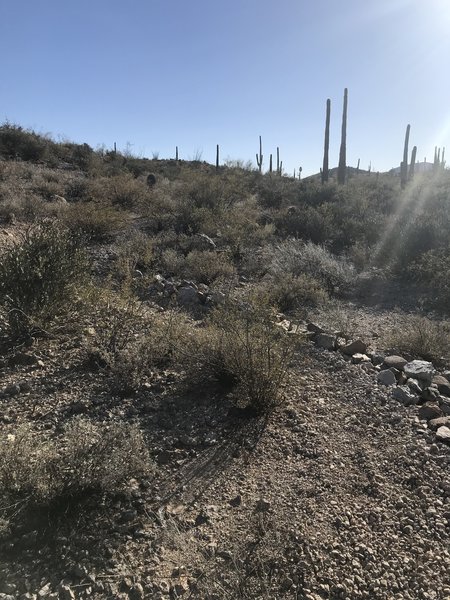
{"points": [[343, 493]]}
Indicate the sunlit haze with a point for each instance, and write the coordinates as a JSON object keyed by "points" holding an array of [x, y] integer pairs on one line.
{"points": [[151, 75]]}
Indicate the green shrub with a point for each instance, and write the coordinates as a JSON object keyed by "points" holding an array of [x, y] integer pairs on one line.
{"points": [[40, 274], [206, 267]]}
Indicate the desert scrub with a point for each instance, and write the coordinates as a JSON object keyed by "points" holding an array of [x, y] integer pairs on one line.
{"points": [[41, 275], [422, 338], [293, 293], [96, 222], [243, 350], [295, 257], [132, 343], [87, 458]]}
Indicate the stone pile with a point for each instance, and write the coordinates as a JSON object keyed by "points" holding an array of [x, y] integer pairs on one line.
{"points": [[187, 294], [414, 382]]}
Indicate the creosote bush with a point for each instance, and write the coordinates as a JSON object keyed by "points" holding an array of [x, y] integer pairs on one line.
{"points": [[41, 272]]}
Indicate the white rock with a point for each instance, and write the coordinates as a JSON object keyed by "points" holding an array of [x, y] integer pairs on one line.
{"points": [[420, 369]]}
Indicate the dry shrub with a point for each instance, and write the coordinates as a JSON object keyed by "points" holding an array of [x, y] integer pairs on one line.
{"points": [[132, 342], [88, 458], [121, 190], [423, 338], [243, 350], [98, 223], [295, 257], [41, 274], [289, 292], [206, 266]]}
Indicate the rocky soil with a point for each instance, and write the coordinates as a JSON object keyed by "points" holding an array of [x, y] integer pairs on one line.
{"points": [[343, 493]]}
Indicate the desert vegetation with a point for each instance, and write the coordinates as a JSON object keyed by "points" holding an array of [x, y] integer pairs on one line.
{"points": [[150, 311]]}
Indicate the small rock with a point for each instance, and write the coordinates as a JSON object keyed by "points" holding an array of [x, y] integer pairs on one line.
{"points": [[376, 358], [13, 389], [443, 434], [430, 393], [434, 424], [404, 395], [234, 502], [313, 328], [355, 347], [442, 384], [263, 505], [386, 377], [65, 592], [136, 592], [358, 358], [414, 386]]}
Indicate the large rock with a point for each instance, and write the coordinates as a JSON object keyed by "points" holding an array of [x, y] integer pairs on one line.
{"points": [[420, 369], [386, 377], [404, 395], [188, 296], [325, 340], [443, 384], [429, 410], [355, 347], [443, 434], [395, 362], [439, 422]]}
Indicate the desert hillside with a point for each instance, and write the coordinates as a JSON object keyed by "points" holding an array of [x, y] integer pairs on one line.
{"points": [[217, 383]]}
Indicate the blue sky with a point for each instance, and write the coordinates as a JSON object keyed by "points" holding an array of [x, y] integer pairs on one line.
{"points": [[153, 74]]}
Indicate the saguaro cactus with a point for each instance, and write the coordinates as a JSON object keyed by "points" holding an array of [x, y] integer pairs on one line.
{"points": [[413, 162], [343, 150], [270, 164], [176, 152], [326, 145], [217, 157], [278, 161], [259, 158], [404, 164]]}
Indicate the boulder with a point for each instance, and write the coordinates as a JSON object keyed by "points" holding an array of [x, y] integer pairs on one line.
{"points": [[386, 377], [326, 341], [395, 362], [355, 347], [421, 370]]}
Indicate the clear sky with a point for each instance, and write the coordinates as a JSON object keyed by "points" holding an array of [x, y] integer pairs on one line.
{"points": [[154, 74]]}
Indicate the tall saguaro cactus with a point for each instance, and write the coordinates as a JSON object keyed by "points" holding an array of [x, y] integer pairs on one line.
{"points": [[326, 146], [342, 168], [404, 165], [259, 158], [413, 162], [217, 157]]}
